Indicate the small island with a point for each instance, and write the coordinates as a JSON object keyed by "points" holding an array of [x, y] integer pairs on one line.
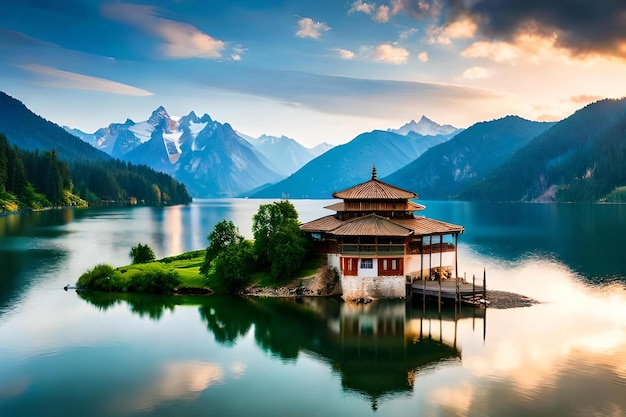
{"points": [[281, 260], [373, 247]]}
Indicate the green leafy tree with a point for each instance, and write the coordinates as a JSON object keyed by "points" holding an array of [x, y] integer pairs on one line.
{"points": [[265, 225], [278, 241], [288, 252], [141, 254], [224, 234], [232, 267]]}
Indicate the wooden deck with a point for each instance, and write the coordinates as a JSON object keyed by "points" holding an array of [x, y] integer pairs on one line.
{"points": [[466, 291]]}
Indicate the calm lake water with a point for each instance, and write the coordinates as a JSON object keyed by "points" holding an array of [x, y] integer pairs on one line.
{"points": [[88, 354]]}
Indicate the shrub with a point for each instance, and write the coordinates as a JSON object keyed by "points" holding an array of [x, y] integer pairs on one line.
{"points": [[142, 254], [154, 278], [102, 278]]}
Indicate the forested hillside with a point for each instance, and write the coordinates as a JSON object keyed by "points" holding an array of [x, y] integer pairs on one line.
{"points": [[34, 179], [30, 132], [579, 159], [445, 169]]}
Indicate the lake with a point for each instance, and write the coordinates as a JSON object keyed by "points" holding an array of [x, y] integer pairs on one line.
{"points": [[89, 354]]}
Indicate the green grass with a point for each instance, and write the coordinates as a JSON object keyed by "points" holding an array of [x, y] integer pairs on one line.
{"points": [[186, 266]]}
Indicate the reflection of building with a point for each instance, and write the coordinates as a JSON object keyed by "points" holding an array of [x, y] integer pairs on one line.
{"points": [[375, 240], [385, 345]]}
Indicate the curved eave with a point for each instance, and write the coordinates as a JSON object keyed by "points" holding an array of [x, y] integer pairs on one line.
{"points": [[422, 226], [323, 224]]}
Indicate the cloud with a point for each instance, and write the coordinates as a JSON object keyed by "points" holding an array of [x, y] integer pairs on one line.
{"points": [[69, 80], [391, 54], [584, 99], [311, 29], [361, 7], [475, 73], [181, 40], [407, 33], [464, 28], [237, 52], [344, 53], [423, 56], [580, 28], [382, 14], [531, 47]]}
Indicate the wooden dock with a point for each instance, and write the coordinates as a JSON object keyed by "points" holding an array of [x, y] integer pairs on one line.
{"points": [[449, 289]]}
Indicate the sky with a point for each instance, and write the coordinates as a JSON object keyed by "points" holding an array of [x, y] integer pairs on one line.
{"points": [[315, 71]]}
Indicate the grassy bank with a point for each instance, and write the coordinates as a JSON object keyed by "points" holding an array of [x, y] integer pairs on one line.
{"points": [[172, 275]]}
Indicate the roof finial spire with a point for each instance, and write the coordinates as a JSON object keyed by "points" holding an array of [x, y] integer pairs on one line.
{"points": [[374, 171]]}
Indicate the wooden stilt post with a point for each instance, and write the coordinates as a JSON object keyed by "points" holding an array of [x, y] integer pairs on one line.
{"points": [[456, 255], [422, 276], [474, 286], [485, 284], [439, 297], [440, 255]]}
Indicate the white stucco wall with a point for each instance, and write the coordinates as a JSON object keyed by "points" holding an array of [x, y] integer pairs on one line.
{"points": [[353, 288], [334, 260]]}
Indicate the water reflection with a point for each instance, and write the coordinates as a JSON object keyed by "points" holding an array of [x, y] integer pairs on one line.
{"points": [[378, 349]]}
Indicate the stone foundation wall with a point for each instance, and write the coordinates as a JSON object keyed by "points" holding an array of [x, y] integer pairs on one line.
{"points": [[354, 288]]}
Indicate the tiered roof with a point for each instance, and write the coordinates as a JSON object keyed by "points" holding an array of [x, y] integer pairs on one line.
{"points": [[373, 224], [375, 189]]}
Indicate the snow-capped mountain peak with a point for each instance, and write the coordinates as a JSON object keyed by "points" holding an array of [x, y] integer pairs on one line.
{"points": [[425, 127]]}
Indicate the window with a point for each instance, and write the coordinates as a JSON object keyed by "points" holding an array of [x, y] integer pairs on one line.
{"points": [[384, 264], [394, 264], [367, 264]]}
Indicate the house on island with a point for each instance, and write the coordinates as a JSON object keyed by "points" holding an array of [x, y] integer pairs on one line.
{"points": [[378, 245]]}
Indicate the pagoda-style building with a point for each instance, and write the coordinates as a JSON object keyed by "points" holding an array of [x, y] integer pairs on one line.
{"points": [[378, 245]]}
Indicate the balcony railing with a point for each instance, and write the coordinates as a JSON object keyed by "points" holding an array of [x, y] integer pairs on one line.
{"points": [[372, 250]]}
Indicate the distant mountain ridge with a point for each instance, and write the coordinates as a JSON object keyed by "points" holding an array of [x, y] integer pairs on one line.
{"points": [[285, 154], [426, 127], [351, 163], [445, 169]]}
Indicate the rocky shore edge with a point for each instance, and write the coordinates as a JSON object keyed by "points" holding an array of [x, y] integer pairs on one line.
{"points": [[325, 283], [504, 299]]}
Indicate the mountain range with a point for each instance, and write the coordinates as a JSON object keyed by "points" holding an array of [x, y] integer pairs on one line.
{"points": [[578, 159], [207, 156], [510, 159], [442, 171], [351, 163], [285, 155]]}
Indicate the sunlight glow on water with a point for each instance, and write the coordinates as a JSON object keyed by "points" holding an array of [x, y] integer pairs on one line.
{"points": [[62, 353]]}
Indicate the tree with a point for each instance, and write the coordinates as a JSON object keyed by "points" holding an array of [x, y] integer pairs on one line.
{"points": [[141, 254], [266, 223], [289, 249], [231, 269], [224, 234], [278, 241]]}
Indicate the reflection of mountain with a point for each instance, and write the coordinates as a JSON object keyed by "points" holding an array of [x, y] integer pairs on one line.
{"points": [[379, 349]]}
